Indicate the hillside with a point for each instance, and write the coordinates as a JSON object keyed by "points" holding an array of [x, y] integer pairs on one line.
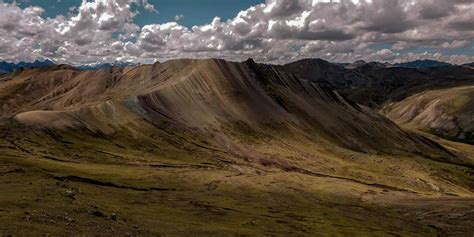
{"points": [[373, 85], [448, 112], [323, 72], [212, 147], [204, 95]]}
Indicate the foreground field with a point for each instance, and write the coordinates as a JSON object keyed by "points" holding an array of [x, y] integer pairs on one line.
{"points": [[68, 184]]}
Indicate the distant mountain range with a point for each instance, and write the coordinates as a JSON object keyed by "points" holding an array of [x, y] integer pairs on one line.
{"points": [[410, 64], [362, 63], [422, 64], [106, 65], [374, 83], [6, 67]]}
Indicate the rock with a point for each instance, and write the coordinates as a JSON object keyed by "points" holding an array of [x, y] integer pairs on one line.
{"points": [[97, 213], [71, 194]]}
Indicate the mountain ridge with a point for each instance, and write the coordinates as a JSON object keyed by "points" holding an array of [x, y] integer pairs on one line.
{"points": [[426, 63], [374, 85], [112, 84]]}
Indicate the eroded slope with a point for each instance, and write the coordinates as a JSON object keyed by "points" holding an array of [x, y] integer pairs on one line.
{"points": [[448, 112]]}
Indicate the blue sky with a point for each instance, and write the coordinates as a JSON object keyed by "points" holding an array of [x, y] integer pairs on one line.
{"points": [[195, 12]]}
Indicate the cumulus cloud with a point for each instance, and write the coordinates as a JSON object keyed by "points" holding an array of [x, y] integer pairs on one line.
{"points": [[276, 31], [178, 17], [148, 6]]}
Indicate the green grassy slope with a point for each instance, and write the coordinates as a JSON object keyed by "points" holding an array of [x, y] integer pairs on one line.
{"points": [[80, 183]]}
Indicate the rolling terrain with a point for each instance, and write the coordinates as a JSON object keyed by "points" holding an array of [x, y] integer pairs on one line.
{"points": [[448, 113], [374, 84], [399, 91], [212, 147]]}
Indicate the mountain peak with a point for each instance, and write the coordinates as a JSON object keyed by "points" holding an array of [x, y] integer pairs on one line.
{"points": [[312, 61]]}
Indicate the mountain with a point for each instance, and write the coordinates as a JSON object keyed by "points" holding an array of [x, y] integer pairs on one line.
{"points": [[355, 64], [395, 83], [422, 64], [362, 63], [471, 65], [390, 89], [323, 72], [212, 147], [212, 93], [373, 85], [6, 67], [106, 65], [448, 112]]}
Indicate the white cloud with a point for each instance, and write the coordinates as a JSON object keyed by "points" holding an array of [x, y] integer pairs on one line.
{"points": [[277, 31], [148, 6], [178, 17]]}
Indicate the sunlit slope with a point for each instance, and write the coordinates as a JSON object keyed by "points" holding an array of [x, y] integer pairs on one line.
{"points": [[447, 112]]}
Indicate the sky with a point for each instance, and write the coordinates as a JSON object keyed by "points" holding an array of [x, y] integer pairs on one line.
{"points": [[271, 31]]}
